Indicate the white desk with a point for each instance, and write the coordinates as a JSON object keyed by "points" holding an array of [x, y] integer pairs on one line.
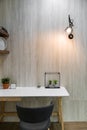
{"points": [[34, 92], [20, 92]]}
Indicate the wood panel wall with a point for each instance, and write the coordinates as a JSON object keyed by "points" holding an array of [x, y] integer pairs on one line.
{"points": [[38, 43]]}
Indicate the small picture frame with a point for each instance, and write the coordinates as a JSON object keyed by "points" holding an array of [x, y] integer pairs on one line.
{"points": [[52, 79], [13, 86]]}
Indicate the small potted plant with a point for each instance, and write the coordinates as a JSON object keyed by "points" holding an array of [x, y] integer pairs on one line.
{"points": [[50, 83], [55, 83], [5, 82]]}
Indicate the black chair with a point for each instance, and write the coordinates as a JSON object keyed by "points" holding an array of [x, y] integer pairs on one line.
{"points": [[34, 118]]}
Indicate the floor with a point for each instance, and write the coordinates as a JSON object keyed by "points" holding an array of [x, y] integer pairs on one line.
{"points": [[76, 126], [9, 126], [54, 126]]}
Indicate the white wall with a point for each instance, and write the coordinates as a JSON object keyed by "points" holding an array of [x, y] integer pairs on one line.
{"points": [[38, 44]]}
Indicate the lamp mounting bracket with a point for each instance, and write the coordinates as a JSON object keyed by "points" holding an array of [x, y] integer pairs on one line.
{"points": [[70, 21]]}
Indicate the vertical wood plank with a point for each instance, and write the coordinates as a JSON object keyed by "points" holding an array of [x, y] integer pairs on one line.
{"points": [[38, 43]]}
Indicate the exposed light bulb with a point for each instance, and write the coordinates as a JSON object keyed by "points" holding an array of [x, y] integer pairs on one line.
{"points": [[69, 30]]}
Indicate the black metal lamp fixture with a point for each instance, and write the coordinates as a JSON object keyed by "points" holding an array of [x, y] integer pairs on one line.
{"points": [[69, 29]]}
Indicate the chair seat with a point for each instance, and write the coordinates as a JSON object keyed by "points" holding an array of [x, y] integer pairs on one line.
{"points": [[35, 126]]}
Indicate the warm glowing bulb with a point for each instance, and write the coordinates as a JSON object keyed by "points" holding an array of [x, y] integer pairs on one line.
{"points": [[69, 30]]}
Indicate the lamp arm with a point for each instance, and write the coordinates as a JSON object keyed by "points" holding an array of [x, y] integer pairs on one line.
{"points": [[70, 21]]}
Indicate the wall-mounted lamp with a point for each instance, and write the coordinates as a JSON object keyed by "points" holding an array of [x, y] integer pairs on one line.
{"points": [[69, 29]]}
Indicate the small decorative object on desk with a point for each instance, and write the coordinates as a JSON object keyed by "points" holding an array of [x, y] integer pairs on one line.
{"points": [[38, 86], [52, 79], [5, 82], [55, 83], [13, 85], [50, 83]]}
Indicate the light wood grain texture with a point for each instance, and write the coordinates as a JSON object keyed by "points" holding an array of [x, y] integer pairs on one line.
{"points": [[54, 126], [12, 99], [38, 43]]}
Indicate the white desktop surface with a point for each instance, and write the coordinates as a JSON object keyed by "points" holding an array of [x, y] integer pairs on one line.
{"points": [[34, 92]]}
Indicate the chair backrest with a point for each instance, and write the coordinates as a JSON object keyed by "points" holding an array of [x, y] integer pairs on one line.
{"points": [[34, 115]]}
